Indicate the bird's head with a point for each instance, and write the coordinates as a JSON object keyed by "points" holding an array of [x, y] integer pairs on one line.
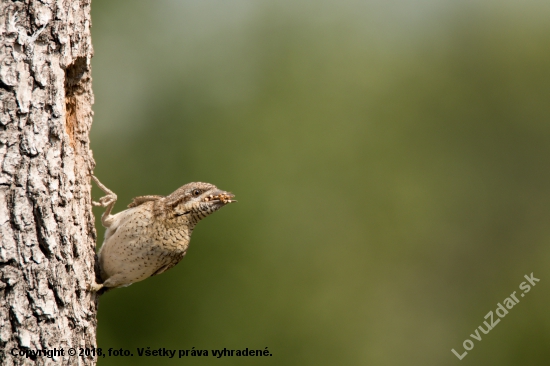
{"points": [[197, 200]]}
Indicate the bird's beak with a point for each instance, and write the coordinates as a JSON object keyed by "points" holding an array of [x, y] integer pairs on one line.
{"points": [[222, 196]]}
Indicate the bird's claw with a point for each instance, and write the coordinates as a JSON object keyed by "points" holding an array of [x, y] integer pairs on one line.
{"points": [[105, 201]]}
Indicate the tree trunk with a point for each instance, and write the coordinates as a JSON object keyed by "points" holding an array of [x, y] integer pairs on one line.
{"points": [[46, 224]]}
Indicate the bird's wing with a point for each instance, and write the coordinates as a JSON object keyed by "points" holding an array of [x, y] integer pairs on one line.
{"points": [[142, 199]]}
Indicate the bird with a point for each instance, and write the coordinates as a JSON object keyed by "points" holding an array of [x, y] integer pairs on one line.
{"points": [[152, 235]]}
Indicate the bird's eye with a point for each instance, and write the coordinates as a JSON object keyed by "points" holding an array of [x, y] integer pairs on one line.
{"points": [[197, 192]]}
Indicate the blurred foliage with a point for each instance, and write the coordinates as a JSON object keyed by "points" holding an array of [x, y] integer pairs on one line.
{"points": [[391, 162]]}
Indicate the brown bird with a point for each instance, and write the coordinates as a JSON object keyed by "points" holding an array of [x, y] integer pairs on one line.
{"points": [[153, 234]]}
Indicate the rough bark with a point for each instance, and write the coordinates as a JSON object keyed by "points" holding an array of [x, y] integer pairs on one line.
{"points": [[46, 224]]}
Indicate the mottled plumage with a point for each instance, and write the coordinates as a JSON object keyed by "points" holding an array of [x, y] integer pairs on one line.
{"points": [[153, 234]]}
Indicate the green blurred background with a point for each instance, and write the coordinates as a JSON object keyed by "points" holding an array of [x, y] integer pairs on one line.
{"points": [[391, 161]]}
